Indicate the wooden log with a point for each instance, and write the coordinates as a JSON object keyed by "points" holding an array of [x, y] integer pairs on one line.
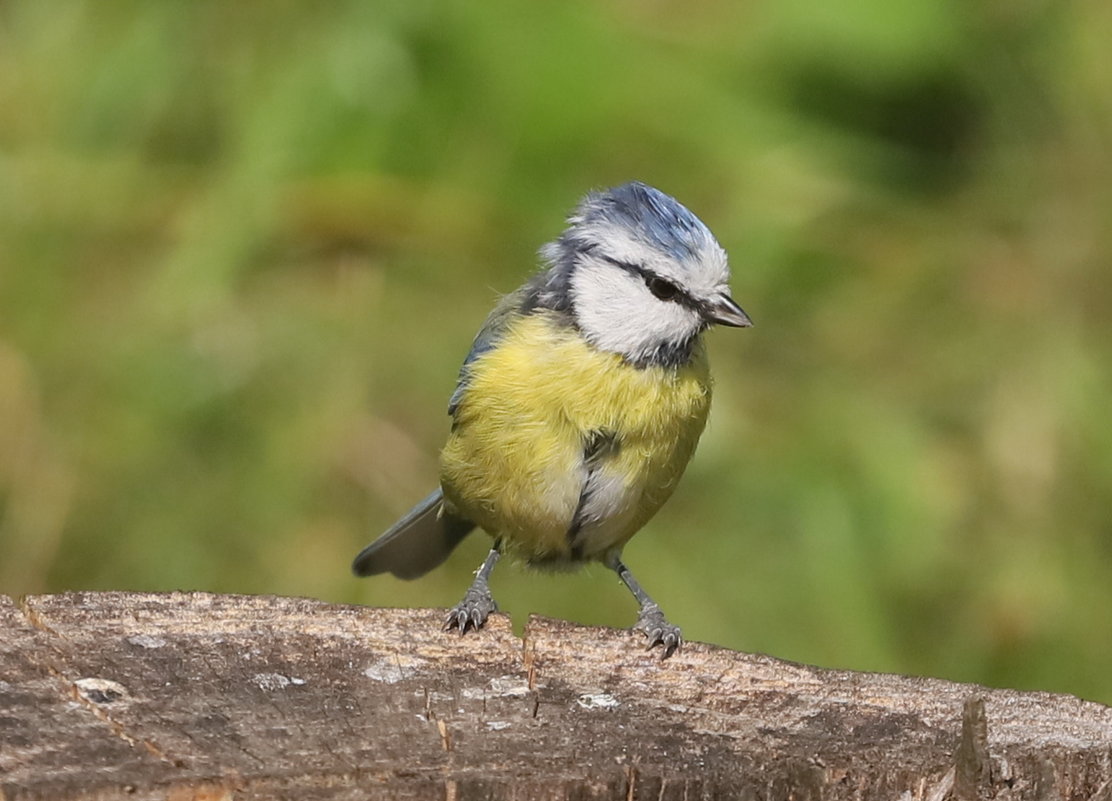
{"points": [[196, 696]]}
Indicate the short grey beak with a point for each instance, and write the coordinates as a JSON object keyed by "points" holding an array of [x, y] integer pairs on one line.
{"points": [[722, 309]]}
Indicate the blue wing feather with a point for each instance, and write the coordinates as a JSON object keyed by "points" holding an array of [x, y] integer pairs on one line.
{"points": [[497, 322], [417, 543]]}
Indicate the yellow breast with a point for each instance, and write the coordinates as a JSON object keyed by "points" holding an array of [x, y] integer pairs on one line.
{"points": [[514, 463]]}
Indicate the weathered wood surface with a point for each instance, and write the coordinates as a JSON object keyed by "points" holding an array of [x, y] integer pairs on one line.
{"points": [[196, 696]]}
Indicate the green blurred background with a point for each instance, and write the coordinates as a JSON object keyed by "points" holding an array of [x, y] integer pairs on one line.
{"points": [[244, 247]]}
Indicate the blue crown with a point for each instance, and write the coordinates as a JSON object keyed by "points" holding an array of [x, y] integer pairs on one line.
{"points": [[652, 215]]}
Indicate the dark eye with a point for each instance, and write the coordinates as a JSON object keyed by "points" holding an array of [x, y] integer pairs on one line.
{"points": [[664, 290]]}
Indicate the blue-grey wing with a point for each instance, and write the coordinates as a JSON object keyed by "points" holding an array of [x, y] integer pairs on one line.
{"points": [[497, 322], [417, 543]]}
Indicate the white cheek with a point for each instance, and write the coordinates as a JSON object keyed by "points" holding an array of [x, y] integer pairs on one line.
{"points": [[617, 313]]}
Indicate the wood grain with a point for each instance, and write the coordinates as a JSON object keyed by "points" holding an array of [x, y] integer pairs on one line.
{"points": [[196, 696]]}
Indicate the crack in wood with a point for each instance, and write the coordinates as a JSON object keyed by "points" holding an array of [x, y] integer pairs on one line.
{"points": [[74, 690], [31, 615], [939, 791]]}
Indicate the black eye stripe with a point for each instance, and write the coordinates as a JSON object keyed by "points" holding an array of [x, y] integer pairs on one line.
{"points": [[661, 289], [670, 291], [625, 265]]}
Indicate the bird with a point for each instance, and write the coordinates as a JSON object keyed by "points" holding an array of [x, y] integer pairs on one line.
{"points": [[579, 405]]}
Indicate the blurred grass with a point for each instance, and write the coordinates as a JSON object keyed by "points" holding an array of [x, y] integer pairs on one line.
{"points": [[244, 247]]}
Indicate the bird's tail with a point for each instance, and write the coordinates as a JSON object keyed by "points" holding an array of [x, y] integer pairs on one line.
{"points": [[415, 544]]}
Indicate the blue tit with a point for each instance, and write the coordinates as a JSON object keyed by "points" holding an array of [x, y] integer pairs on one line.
{"points": [[579, 405]]}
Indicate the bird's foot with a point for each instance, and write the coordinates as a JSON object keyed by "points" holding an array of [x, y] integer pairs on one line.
{"points": [[652, 624], [472, 611]]}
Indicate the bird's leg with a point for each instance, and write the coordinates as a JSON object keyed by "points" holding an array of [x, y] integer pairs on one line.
{"points": [[478, 603], [651, 621]]}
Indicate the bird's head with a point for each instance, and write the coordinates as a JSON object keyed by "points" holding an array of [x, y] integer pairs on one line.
{"points": [[643, 276]]}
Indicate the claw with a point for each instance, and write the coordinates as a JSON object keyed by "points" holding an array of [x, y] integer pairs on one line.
{"points": [[670, 643], [457, 619], [472, 611], [652, 623]]}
